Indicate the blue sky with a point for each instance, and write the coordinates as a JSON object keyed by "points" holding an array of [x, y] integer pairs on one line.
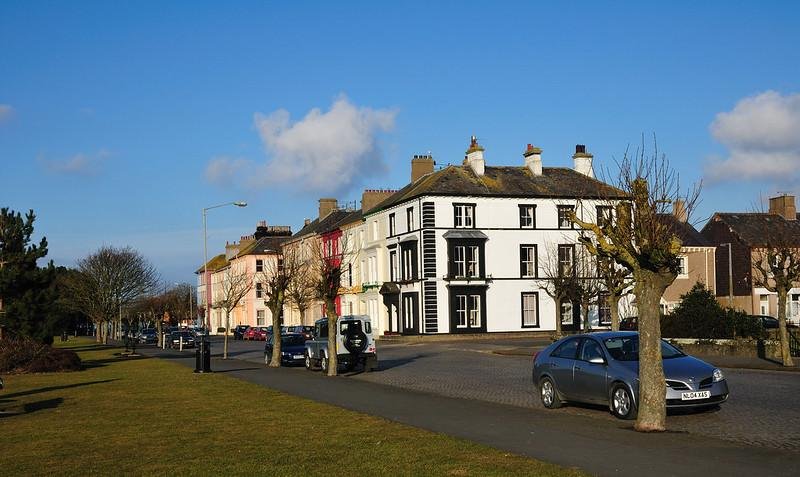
{"points": [[120, 122]]}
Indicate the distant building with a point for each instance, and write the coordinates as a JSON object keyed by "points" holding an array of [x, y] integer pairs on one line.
{"points": [[745, 234]]}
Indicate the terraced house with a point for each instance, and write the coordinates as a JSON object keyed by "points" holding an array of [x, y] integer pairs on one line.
{"points": [[465, 246]]}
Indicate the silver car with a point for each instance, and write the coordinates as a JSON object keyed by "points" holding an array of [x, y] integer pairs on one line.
{"points": [[603, 368]]}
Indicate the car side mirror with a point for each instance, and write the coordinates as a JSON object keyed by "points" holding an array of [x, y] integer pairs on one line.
{"points": [[597, 360]]}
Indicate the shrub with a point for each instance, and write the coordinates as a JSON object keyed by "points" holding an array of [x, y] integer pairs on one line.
{"points": [[30, 356]]}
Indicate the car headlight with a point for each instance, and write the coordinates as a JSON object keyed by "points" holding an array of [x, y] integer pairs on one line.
{"points": [[718, 376]]}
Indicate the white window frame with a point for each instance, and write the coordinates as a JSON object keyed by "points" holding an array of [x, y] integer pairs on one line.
{"points": [[529, 260], [474, 311], [564, 222], [528, 219], [473, 262], [464, 216], [530, 310], [460, 260], [683, 266], [261, 317], [461, 311]]}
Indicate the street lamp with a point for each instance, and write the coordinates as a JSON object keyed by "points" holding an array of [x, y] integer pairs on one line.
{"points": [[207, 289]]}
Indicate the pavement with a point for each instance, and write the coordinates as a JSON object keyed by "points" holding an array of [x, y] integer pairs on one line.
{"points": [[598, 446]]}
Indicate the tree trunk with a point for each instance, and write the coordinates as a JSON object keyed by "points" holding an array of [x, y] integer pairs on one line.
{"points": [[303, 316], [587, 325], [558, 318], [276, 336], [786, 355], [98, 338], [613, 302], [333, 322], [225, 339], [652, 403]]}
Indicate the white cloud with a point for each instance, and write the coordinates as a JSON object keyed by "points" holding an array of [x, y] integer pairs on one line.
{"points": [[762, 134], [6, 112], [79, 164], [324, 151]]}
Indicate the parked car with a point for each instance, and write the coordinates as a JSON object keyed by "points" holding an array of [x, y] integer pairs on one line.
{"points": [[306, 331], [354, 344], [258, 333], [239, 331], [292, 349], [603, 368], [771, 323], [148, 336], [630, 323], [174, 340]]}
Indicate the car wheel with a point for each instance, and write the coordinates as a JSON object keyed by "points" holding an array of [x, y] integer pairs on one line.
{"points": [[622, 405], [549, 395], [323, 364], [267, 358], [309, 366]]}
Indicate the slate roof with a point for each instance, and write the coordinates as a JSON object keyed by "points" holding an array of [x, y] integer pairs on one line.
{"points": [[685, 231], [503, 181], [331, 222], [260, 246], [762, 229]]}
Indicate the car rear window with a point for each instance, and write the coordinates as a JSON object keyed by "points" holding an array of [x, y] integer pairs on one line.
{"points": [[567, 349], [292, 340]]}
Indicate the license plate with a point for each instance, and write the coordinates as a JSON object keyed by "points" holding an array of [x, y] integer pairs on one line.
{"points": [[298, 356], [691, 396]]}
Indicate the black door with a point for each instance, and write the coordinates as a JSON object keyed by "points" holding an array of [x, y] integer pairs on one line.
{"points": [[409, 313]]}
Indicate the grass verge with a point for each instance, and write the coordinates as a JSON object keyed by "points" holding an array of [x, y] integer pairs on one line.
{"points": [[123, 416]]}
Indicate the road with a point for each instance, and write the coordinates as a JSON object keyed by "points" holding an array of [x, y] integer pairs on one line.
{"points": [[762, 409]]}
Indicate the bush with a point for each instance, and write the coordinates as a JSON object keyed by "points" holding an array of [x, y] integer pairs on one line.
{"points": [[30, 356], [699, 315]]}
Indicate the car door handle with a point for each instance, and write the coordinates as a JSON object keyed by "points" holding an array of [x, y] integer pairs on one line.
{"points": [[553, 365], [577, 368]]}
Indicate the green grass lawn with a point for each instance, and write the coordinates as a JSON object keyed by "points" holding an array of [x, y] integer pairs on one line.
{"points": [[125, 416]]}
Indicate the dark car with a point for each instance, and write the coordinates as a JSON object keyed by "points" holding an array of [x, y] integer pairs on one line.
{"points": [[630, 323], [771, 323], [603, 368], [239, 331], [306, 331], [292, 349], [174, 339], [148, 336]]}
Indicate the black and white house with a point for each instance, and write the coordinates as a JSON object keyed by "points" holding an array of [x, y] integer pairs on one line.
{"points": [[466, 245]]}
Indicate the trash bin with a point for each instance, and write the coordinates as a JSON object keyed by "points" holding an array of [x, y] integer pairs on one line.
{"points": [[202, 357]]}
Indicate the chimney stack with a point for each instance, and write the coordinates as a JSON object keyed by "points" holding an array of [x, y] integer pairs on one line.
{"points": [[583, 160], [533, 159], [784, 206], [421, 165], [306, 222], [679, 210], [474, 157], [372, 197], [326, 206]]}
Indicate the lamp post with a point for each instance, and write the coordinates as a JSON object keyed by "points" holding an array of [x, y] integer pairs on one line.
{"points": [[730, 273], [207, 289]]}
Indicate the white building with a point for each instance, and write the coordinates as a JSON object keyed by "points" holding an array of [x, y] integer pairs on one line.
{"points": [[461, 249]]}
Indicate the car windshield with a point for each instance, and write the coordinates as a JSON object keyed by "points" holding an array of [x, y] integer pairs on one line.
{"points": [[292, 340], [626, 348]]}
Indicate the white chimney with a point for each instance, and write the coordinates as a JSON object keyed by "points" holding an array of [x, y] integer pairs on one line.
{"points": [[474, 157], [533, 159], [583, 160]]}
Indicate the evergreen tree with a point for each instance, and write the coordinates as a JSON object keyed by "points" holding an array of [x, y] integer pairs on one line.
{"points": [[26, 294]]}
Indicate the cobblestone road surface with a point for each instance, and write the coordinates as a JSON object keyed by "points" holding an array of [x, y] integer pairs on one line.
{"points": [[762, 410]]}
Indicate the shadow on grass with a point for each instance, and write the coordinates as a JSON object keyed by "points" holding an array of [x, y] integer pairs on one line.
{"points": [[53, 388], [30, 407], [93, 347], [99, 363]]}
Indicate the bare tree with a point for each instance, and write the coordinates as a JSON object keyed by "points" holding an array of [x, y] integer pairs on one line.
{"points": [[236, 284], [108, 280], [559, 281], [649, 250], [587, 286], [328, 263], [302, 292], [777, 268], [276, 280], [616, 282]]}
